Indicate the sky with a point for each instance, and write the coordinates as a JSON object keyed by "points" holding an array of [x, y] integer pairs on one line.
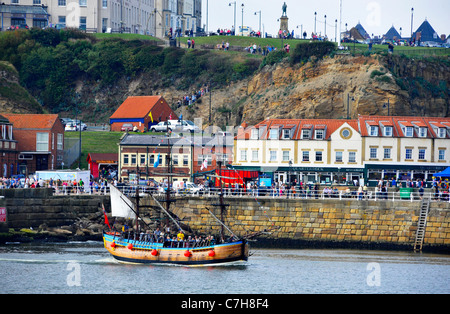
{"points": [[376, 17]]}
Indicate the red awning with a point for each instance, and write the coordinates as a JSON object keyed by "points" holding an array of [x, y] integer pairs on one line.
{"points": [[234, 176]]}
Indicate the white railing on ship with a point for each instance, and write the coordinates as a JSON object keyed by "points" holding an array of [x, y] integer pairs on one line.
{"points": [[270, 193]]}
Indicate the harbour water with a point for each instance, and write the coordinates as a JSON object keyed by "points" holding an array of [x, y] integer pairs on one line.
{"points": [[86, 267]]}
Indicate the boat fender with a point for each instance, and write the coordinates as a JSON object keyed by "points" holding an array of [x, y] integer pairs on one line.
{"points": [[211, 253], [130, 246], [113, 245], [154, 252], [187, 253]]}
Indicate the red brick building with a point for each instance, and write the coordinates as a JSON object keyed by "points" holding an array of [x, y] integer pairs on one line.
{"points": [[142, 112], [99, 162], [8, 149], [40, 141]]}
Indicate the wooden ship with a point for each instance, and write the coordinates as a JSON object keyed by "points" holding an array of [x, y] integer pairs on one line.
{"points": [[150, 248]]}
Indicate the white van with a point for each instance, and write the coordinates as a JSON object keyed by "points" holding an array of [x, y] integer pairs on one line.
{"points": [[181, 186]]}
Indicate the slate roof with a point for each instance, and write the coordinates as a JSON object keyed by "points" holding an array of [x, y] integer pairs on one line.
{"points": [[391, 34], [427, 33]]}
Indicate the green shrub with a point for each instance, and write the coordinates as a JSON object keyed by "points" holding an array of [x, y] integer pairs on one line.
{"points": [[304, 51]]}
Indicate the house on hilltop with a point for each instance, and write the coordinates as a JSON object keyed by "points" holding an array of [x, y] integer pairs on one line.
{"points": [[426, 34], [392, 35], [141, 112]]}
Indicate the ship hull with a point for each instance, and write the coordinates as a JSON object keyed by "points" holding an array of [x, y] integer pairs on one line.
{"points": [[155, 253]]}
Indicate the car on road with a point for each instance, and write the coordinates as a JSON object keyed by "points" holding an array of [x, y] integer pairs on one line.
{"points": [[175, 125], [71, 126], [65, 121]]}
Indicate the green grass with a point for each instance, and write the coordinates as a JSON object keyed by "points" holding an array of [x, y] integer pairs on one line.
{"points": [[95, 142], [244, 41], [406, 50], [125, 36]]}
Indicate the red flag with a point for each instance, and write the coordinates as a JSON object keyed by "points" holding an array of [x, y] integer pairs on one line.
{"points": [[106, 217]]}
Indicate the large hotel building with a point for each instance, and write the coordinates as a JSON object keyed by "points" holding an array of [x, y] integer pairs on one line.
{"points": [[151, 17]]}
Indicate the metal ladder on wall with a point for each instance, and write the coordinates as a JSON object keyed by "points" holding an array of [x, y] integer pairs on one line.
{"points": [[421, 224]]}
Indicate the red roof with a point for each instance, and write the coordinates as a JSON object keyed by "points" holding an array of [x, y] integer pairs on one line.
{"points": [[102, 157], [32, 121], [136, 107]]}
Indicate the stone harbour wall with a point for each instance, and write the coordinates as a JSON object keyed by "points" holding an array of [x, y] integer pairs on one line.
{"points": [[324, 223]]}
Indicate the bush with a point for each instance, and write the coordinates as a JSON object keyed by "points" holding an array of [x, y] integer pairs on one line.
{"points": [[304, 51], [274, 57]]}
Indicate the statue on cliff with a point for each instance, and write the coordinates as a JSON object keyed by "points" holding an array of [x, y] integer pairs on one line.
{"points": [[284, 9]]}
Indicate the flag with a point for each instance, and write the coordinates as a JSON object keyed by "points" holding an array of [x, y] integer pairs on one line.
{"points": [[204, 164], [150, 115], [106, 217], [156, 164]]}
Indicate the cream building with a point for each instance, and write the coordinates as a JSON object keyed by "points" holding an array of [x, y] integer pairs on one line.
{"points": [[131, 16], [338, 151]]}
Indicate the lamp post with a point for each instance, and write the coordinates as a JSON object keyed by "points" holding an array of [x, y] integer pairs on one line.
{"points": [[315, 22], [259, 12], [335, 30], [242, 28], [325, 25], [234, 25], [348, 105], [412, 21], [387, 104]]}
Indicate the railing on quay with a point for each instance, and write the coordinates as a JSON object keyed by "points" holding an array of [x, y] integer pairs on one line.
{"points": [[130, 190]]}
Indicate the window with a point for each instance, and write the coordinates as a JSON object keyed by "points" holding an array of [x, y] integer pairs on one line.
{"points": [[244, 155], [142, 159], [441, 154], [387, 131], [62, 3], [255, 156], [62, 21], [306, 134], [133, 159], [42, 142], [373, 153], [422, 132], [254, 134], [125, 159], [273, 135], [408, 153], [273, 155], [409, 131], [285, 155], [286, 134], [441, 133], [185, 160], [373, 131], [83, 22], [422, 153], [319, 156], [352, 157], [319, 134], [151, 160], [14, 1], [305, 155], [175, 160], [339, 157], [387, 153], [105, 3], [36, 1], [83, 3]]}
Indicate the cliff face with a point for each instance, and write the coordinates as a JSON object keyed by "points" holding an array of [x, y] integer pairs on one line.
{"points": [[325, 89]]}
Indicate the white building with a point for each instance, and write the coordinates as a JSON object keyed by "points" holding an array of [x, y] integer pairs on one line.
{"points": [[131, 16], [338, 151]]}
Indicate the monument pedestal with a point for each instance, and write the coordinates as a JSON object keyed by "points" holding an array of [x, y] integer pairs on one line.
{"points": [[284, 23]]}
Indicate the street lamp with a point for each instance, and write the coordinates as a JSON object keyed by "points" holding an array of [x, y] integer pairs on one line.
{"points": [[387, 104], [259, 12], [242, 29], [348, 105], [234, 25], [315, 21], [335, 30], [412, 21], [325, 25]]}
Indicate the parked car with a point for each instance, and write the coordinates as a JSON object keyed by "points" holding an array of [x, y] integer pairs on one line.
{"points": [[71, 126], [78, 123], [160, 127], [127, 127], [65, 121]]}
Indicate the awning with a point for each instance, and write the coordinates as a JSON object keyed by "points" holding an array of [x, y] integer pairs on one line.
{"points": [[234, 176]]}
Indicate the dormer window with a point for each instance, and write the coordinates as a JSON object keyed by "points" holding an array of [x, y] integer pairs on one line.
{"points": [[306, 134], [408, 131], [286, 134], [387, 131], [320, 134], [373, 130], [254, 135], [442, 132], [422, 132], [273, 134]]}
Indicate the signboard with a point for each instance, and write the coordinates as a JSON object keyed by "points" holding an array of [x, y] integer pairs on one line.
{"points": [[2, 214]]}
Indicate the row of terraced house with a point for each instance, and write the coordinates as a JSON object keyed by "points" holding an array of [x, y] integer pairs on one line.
{"points": [[358, 151]]}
